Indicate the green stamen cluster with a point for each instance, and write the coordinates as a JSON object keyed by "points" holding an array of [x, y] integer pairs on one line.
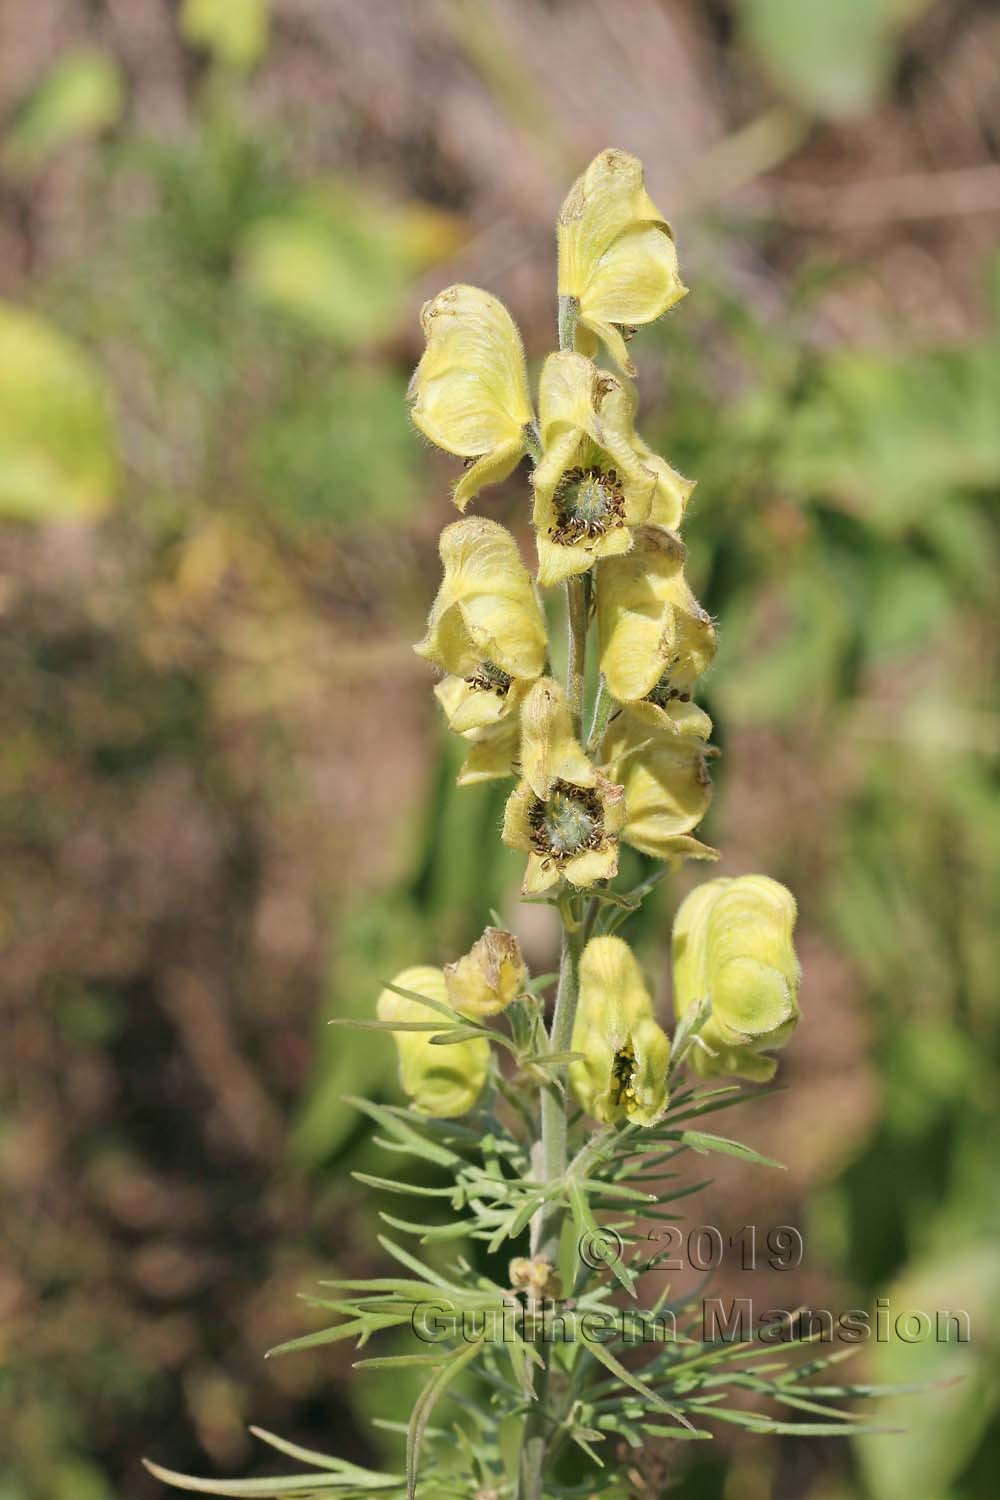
{"points": [[588, 502], [570, 820]]}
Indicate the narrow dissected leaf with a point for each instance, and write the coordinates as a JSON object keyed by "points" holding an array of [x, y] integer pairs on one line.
{"points": [[400, 1361], [391, 1185], [261, 1489], [440, 1006], [294, 1450], [425, 1404], [684, 1434], [431, 1233], [588, 1230], [604, 1356], [699, 1140], [355, 1023], [464, 1034], [407, 1138]]}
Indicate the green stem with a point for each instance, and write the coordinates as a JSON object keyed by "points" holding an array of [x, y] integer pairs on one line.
{"points": [[569, 312], [578, 613], [547, 1223], [603, 704]]}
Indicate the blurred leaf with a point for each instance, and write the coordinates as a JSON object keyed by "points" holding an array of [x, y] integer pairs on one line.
{"points": [[781, 652], [57, 448], [341, 449], [81, 96], [832, 56], [891, 438], [235, 31], [338, 260], [943, 1429]]}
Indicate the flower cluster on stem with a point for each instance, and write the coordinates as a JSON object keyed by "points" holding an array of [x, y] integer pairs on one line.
{"points": [[545, 1116]]}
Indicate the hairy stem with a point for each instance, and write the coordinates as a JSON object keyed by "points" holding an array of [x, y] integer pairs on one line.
{"points": [[569, 313], [578, 612], [547, 1223]]}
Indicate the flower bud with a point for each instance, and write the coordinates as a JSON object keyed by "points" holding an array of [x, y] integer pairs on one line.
{"points": [[617, 258], [489, 977], [655, 638], [443, 1081], [622, 1075], [470, 389], [535, 1275], [732, 946]]}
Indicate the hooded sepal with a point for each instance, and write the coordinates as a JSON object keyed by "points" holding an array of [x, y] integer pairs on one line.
{"points": [[733, 946], [469, 392], [655, 638], [617, 258]]}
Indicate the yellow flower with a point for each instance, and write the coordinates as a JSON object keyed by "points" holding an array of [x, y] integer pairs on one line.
{"points": [[622, 1075], [443, 1081], [617, 258], [660, 758], [470, 389], [591, 489], [486, 630], [732, 946], [564, 814], [487, 978], [655, 638]]}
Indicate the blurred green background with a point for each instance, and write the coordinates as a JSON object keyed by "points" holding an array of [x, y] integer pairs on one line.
{"points": [[228, 808]]}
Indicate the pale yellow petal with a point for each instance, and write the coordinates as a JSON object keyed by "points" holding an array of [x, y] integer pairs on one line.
{"points": [[550, 751], [470, 708], [558, 561], [569, 389], [487, 608], [516, 831], [651, 629], [540, 875], [493, 755], [732, 946], [602, 204], [470, 389], [666, 781], [612, 803], [492, 468], [672, 491], [622, 1073], [600, 330], [636, 279], [584, 870]]}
